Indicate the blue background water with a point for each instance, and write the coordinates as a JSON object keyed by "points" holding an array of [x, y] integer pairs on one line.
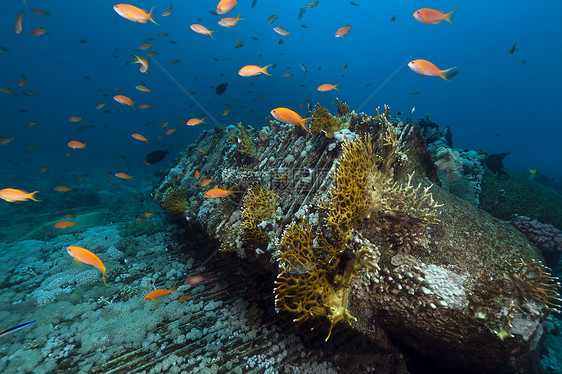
{"points": [[495, 103]]}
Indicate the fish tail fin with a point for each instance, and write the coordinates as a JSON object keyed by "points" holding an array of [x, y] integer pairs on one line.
{"points": [[211, 33], [150, 15], [305, 122], [84, 145], [103, 277], [238, 16], [336, 87], [264, 69], [32, 196], [173, 289], [449, 15], [442, 73]]}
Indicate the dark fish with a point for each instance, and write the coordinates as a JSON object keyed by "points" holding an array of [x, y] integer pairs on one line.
{"points": [[88, 78], [254, 3], [353, 3], [272, 18], [255, 38], [303, 68], [304, 26], [40, 12], [451, 74], [393, 19], [414, 92], [281, 41], [512, 49], [82, 41], [312, 4], [494, 162], [221, 88], [302, 10], [523, 61], [156, 156], [173, 42], [16, 328]]}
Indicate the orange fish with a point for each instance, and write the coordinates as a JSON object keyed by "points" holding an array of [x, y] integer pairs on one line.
{"points": [[165, 124], [196, 174], [12, 195], [225, 112], [433, 16], [8, 91], [281, 31], [159, 293], [288, 116], [225, 6], [195, 121], [142, 88], [64, 224], [205, 182], [328, 87], [43, 169], [202, 150], [343, 31], [425, 67], [144, 106], [83, 255], [218, 193], [143, 61], [200, 29], [184, 298], [18, 27], [75, 119], [124, 100], [230, 21], [140, 137], [148, 214], [170, 131], [251, 70], [69, 216], [145, 46], [39, 31], [123, 176], [63, 189], [100, 105], [132, 13], [139, 219], [76, 145]]}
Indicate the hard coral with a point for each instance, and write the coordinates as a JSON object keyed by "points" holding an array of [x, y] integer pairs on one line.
{"points": [[259, 204], [243, 140], [175, 201], [323, 121]]}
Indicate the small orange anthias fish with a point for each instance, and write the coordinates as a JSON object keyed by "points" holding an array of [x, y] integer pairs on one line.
{"points": [[216, 193], [194, 280], [39, 31], [75, 119], [425, 67], [123, 176], [124, 100], [184, 298], [328, 87], [13, 195], [195, 121], [225, 6], [205, 182], [200, 29], [140, 137], [142, 88], [343, 31], [159, 293], [433, 16], [62, 189], [83, 255], [64, 224], [288, 116], [132, 13], [196, 174], [251, 70], [76, 144], [144, 63], [230, 21]]}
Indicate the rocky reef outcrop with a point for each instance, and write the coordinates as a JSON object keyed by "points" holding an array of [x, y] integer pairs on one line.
{"points": [[349, 217]]}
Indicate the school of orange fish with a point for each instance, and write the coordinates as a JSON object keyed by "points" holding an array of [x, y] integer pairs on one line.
{"points": [[285, 115]]}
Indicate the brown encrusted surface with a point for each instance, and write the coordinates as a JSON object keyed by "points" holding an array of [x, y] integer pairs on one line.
{"points": [[467, 243]]}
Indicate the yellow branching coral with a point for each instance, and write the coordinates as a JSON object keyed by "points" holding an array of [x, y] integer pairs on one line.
{"points": [[365, 185], [307, 284], [259, 204], [533, 281], [175, 201], [343, 108], [243, 140], [323, 121]]}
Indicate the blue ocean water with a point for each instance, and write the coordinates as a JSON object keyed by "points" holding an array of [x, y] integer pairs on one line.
{"points": [[496, 103]]}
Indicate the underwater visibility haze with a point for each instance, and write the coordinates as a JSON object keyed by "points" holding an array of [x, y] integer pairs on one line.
{"points": [[280, 186]]}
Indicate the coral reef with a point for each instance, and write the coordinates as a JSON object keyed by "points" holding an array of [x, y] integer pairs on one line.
{"points": [[357, 237], [324, 121], [175, 201], [545, 237], [243, 140]]}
